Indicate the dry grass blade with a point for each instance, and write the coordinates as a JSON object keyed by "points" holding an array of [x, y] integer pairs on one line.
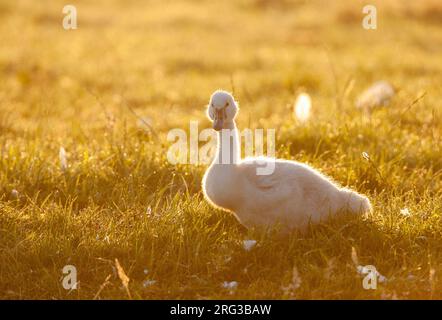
{"points": [[296, 279], [367, 157], [103, 285], [147, 124], [291, 288], [399, 119], [354, 256], [123, 277]]}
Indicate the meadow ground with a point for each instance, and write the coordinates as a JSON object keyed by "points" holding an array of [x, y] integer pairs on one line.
{"points": [[117, 196]]}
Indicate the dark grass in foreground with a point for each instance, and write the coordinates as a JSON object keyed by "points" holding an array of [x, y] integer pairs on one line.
{"points": [[128, 203]]}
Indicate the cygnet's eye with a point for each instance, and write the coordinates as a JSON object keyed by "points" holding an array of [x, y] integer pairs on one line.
{"points": [[227, 104]]}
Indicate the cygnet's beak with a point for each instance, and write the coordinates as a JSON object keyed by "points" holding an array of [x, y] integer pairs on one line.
{"points": [[218, 122]]}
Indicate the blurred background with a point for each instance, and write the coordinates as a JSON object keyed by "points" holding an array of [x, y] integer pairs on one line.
{"points": [[164, 58]]}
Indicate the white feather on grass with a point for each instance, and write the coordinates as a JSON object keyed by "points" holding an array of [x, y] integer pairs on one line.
{"points": [[405, 212], [249, 244], [230, 285], [63, 159], [303, 106], [377, 95], [14, 194]]}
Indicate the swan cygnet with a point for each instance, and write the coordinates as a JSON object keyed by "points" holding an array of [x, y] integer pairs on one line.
{"points": [[291, 196]]}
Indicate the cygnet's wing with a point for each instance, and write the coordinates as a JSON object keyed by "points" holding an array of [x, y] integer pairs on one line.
{"points": [[265, 173], [291, 183], [287, 176]]}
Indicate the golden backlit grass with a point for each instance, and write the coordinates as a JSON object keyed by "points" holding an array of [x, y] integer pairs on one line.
{"points": [[119, 197]]}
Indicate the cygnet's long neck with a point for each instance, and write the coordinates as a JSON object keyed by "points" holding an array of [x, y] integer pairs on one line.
{"points": [[228, 148]]}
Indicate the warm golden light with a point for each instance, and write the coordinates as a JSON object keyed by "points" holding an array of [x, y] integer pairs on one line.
{"points": [[303, 105]]}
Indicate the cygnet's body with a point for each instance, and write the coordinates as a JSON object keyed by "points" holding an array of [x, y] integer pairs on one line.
{"points": [[291, 195]]}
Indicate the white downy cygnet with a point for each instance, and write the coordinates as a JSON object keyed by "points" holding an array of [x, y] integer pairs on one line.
{"points": [[292, 196]]}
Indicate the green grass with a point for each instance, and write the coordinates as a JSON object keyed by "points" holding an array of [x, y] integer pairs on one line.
{"points": [[121, 199]]}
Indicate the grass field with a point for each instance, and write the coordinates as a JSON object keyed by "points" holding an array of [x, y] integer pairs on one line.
{"points": [[117, 196]]}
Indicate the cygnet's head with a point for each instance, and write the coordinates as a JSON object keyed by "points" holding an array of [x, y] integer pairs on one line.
{"points": [[222, 110]]}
